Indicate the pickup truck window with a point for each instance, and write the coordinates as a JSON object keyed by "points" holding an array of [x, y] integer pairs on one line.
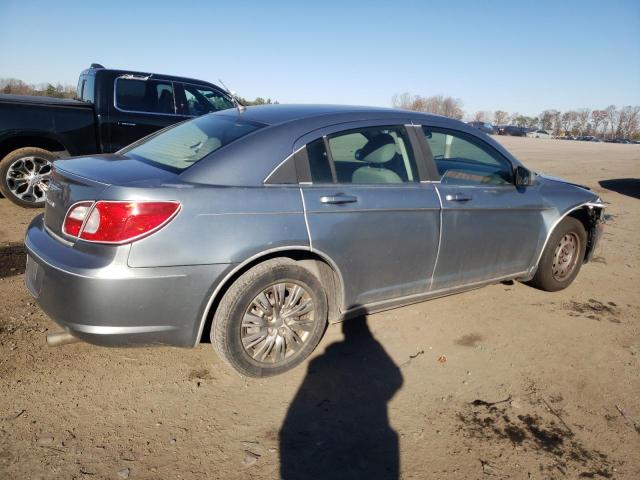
{"points": [[199, 100], [179, 147], [140, 95], [88, 89]]}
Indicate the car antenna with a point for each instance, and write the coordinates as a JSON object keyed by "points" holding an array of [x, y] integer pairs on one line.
{"points": [[241, 108]]}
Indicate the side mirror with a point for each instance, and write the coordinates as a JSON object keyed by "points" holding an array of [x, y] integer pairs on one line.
{"points": [[524, 177]]}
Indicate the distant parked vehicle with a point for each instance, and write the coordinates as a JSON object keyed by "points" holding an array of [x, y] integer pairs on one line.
{"points": [[539, 134], [483, 127], [112, 109], [513, 131]]}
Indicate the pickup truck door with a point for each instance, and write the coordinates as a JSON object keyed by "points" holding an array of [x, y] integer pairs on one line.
{"points": [[140, 107], [490, 228]]}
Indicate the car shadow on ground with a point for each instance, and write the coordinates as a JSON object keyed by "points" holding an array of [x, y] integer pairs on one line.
{"points": [[625, 186], [13, 259], [337, 426]]}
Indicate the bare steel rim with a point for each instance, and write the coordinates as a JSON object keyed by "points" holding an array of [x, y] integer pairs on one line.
{"points": [[278, 322], [565, 257], [28, 178]]}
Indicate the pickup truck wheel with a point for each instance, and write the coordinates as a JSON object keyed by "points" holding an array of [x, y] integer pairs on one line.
{"points": [[24, 176], [270, 319], [562, 257]]}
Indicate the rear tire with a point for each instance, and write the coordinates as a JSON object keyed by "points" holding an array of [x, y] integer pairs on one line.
{"points": [[24, 176], [256, 328], [562, 257]]}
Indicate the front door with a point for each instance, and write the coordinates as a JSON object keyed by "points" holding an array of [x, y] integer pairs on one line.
{"points": [[490, 227], [367, 210]]}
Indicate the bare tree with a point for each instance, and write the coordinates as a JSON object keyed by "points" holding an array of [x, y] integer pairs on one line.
{"points": [[628, 121], [598, 117], [438, 104], [582, 120], [546, 119], [483, 116], [402, 100], [478, 117], [500, 117], [613, 117], [568, 121], [533, 122]]}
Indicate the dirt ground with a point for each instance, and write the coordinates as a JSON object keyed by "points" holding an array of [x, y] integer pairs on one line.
{"points": [[501, 382]]}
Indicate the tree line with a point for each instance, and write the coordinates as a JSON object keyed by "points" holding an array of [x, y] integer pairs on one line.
{"points": [[610, 122], [18, 87]]}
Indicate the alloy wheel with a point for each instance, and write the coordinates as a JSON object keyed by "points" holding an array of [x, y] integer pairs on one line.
{"points": [[278, 322], [28, 178]]}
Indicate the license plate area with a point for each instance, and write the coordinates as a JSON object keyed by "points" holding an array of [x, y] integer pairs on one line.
{"points": [[33, 277]]}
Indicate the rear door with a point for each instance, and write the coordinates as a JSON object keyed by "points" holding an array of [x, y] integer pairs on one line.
{"points": [[140, 107], [490, 227], [367, 210]]}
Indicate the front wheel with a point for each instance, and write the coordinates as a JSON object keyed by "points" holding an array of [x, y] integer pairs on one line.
{"points": [[271, 318], [24, 176], [562, 257]]}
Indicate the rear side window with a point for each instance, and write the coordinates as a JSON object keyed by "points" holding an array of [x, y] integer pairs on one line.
{"points": [[88, 89], [81, 82], [319, 162], [140, 95], [367, 155], [179, 147]]}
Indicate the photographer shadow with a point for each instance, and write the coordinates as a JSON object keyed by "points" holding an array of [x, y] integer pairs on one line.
{"points": [[337, 426]]}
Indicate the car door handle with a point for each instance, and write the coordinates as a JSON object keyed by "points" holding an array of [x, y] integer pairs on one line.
{"points": [[457, 197], [338, 198], [127, 124]]}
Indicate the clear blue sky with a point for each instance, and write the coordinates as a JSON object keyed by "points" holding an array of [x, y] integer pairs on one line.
{"points": [[510, 55]]}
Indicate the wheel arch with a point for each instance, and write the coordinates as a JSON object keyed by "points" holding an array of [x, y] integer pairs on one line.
{"points": [[9, 144], [589, 214], [318, 263]]}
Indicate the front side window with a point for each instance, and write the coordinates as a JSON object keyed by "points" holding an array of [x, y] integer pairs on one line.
{"points": [[462, 159], [363, 155], [201, 100], [179, 147], [140, 95]]}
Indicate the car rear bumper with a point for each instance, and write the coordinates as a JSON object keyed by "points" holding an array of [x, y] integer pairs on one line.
{"points": [[105, 302]]}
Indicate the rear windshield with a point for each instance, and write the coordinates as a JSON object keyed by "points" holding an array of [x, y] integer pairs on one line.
{"points": [[179, 147]]}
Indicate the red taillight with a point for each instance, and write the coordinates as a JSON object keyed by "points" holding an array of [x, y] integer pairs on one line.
{"points": [[75, 218], [117, 222]]}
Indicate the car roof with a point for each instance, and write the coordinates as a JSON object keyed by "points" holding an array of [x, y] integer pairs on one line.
{"points": [[274, 114], [250, 160]]}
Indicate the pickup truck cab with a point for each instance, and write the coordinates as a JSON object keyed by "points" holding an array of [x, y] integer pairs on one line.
{"points": [[112, 109]]}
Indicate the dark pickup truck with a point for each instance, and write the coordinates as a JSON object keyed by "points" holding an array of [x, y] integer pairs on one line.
{"points": [[112, 109]]}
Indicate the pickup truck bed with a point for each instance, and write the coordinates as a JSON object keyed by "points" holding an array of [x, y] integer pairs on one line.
{"points": [[114, 108]]}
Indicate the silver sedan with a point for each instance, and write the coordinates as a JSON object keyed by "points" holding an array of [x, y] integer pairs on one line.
{"points": [[261, 226]]}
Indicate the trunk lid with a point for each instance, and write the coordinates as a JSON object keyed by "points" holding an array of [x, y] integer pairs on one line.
{"points": [[86, 178]]}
